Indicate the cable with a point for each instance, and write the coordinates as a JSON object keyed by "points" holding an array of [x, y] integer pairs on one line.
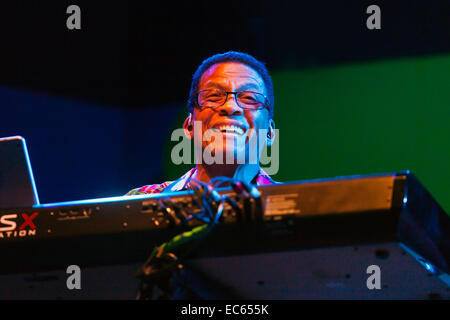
{"points": [[163, 264]]}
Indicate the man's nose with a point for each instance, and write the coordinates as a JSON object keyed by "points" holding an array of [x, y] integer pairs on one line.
{"points": [[231, 107]]}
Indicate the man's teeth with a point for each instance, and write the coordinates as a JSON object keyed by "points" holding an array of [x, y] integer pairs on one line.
{"points": [[231, 129]]}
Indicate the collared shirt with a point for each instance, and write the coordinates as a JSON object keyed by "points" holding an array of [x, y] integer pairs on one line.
{"points": [[262, 178]]}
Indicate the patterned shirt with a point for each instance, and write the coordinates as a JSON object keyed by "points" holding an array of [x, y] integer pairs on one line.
{"points": [[262, 178]]}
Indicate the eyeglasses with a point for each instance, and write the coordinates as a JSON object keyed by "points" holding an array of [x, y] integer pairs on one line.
{"points": [[215, 98]]}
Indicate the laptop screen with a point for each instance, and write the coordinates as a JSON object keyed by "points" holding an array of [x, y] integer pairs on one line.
{"points": [[17, 187]]}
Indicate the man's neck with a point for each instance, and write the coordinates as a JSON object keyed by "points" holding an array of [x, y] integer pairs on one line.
{"points": [[243, 172]]}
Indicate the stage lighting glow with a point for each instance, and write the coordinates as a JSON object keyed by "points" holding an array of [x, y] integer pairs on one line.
{"points": [[429, 267]]}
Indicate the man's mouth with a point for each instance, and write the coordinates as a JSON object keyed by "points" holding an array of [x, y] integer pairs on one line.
{"points": [[230, 129]]}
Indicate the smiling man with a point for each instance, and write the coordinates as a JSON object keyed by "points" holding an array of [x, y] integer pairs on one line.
{"points": [[230, 119]]}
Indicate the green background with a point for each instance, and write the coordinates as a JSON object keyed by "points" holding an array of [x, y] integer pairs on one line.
{"points": [[361, 118]]}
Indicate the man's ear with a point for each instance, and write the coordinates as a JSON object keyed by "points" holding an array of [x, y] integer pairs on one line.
{"points": [[188, 126], [271, 133]]}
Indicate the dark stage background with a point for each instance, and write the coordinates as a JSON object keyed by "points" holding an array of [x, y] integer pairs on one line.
{"points": [[97, 105]]}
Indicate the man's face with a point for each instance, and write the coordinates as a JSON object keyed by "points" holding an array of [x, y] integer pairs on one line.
{"points": [[233, 76]]}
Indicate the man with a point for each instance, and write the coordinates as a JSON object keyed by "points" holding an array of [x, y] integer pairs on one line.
{"points": [[231, 98]]}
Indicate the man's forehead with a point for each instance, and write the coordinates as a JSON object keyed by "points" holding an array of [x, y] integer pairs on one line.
{"points": [[225, 72]]}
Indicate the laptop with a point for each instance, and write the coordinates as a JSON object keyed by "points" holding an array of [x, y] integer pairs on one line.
{"points": [[17, 187]]}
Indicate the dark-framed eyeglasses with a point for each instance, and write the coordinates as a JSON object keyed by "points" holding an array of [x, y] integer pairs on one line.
{"points": [[215, 98]]}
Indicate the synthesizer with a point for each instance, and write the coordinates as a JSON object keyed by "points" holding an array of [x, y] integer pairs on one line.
{"points": [[291, 216]]}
